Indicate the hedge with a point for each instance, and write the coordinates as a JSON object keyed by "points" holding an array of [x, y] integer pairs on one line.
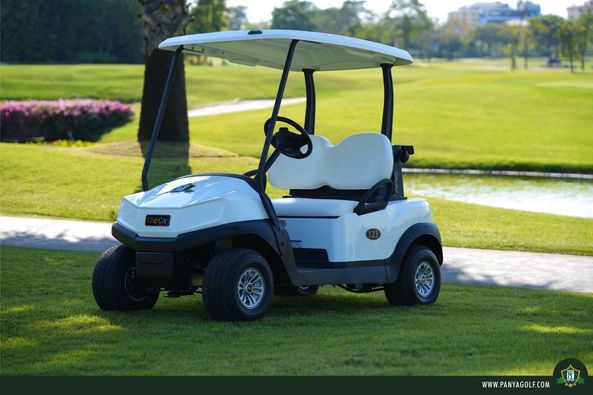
{"points": [[49, 120]]}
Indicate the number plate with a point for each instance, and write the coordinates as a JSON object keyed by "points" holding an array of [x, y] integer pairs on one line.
{"points": [[157, 220], [373, 234]]}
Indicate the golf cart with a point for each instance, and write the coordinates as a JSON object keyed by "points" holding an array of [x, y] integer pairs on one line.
{"points": [[344, 222]]}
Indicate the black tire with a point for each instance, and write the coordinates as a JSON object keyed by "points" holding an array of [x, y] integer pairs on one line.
{"points": [[292, 290], [404, 290], [113, 282], [221, 293]]}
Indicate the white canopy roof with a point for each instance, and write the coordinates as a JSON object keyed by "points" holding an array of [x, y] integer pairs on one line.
{"points": [[268, 48]]}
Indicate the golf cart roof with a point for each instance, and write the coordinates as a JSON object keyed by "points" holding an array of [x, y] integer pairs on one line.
{"points": [[268, 48]]}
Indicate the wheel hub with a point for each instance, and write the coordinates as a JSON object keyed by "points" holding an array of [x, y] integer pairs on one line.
{"points": [[251, 288], [131, 287], [424, 277]]}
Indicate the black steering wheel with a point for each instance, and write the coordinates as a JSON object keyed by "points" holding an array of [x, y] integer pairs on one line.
{"points": [[289, 143]]}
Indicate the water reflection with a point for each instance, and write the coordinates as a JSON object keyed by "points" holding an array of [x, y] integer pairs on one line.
{"points": [[563, 197]]}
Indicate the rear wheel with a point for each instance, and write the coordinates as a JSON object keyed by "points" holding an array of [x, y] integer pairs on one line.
{"points": [[297, 290], [114, 282], [238, 285], [419, 280]]}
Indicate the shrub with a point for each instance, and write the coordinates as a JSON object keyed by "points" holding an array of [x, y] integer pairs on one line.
{"points": [[49, 120]]}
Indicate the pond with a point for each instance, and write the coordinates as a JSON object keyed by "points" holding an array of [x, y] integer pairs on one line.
{"points": [[555, 196]]}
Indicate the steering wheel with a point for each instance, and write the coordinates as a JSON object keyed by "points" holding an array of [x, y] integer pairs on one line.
{"points": [[289, 143]]}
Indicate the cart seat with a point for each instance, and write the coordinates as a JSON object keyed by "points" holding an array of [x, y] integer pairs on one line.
{"points": [[346, 170], [304, 207], [357, 163]]}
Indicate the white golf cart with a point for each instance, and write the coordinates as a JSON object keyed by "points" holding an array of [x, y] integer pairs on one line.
{"points": [[344, 222]]}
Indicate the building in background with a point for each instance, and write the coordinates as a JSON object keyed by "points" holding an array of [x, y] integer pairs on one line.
{"points": [[575, 11], [496, 12]]}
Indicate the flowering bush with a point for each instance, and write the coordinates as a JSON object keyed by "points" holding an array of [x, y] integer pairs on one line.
{"points": [[49, 120]]}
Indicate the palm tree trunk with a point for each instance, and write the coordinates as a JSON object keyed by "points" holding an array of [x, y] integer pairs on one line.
{"points": [[163, 19], [175, 123]]}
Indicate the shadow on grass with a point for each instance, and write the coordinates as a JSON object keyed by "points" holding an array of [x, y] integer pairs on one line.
{"points": [[97, 243], [52, 326], [169, 161]]}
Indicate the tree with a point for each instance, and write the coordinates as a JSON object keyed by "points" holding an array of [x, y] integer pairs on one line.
{"points": [[208, 16], [408, 19], [525, 37], [237, 18], [569, 34], [510, 35], [80, 31], [488, 36], [449, 42], [344, 20], [585, 21], [293, 14], [522, 8], [545, 31], [162, 19]]}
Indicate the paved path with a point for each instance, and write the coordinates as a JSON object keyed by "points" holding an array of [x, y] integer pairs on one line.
{"points": [[462, 265], [239, 105]]}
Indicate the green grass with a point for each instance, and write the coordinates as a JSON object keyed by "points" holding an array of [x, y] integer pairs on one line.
{"points": [[124, 82], [457, 114], [52, 326], [470, 119], [79, 183]]}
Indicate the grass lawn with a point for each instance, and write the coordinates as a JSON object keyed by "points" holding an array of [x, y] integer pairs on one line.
{"points": [[457, 114], [52, 326], [83, 183], [124, 82]]}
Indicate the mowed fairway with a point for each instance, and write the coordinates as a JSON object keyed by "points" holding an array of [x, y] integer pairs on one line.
{"points": [[457, 114], [474, 114], [52, 326], [81, 183]]}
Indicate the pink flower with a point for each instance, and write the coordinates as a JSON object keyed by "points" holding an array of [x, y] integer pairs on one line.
{"points": [[58, 119]]}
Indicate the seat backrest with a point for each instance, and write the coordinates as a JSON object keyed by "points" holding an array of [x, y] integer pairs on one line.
{"points": [[357, 162]]}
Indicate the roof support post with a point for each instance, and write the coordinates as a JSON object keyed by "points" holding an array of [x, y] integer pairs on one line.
{"points": [[260, 177], [310, 105], [159, 117], [387, 123]]}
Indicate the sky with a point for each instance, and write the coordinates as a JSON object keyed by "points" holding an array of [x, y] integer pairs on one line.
{"points": [[261, 10]]}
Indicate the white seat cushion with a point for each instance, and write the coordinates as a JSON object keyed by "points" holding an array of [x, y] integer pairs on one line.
{"points": [[304, 207], [358, 162]]}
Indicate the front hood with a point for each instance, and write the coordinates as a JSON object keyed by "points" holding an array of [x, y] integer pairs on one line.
{"points": [[187, 191], [191, 203]]}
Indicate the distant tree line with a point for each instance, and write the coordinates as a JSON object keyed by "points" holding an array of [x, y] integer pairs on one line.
{"points": [[406, 24], [99, 31], [70, 31]]}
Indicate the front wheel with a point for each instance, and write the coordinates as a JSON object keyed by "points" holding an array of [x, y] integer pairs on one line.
{"points": [[114, 282], [238, 285], [419, 280]]}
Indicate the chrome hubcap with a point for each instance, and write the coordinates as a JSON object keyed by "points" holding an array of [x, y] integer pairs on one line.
{"points": [[424, 279], [251, 288]]}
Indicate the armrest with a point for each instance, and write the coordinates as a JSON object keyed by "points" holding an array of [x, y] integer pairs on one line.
{"points": [[402, 152], [370, 203]]}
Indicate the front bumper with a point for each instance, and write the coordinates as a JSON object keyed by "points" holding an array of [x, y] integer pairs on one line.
{"points": [[189, 240]]}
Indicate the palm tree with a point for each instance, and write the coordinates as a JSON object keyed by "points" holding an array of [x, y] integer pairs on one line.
{"points": [[162, 19]]}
